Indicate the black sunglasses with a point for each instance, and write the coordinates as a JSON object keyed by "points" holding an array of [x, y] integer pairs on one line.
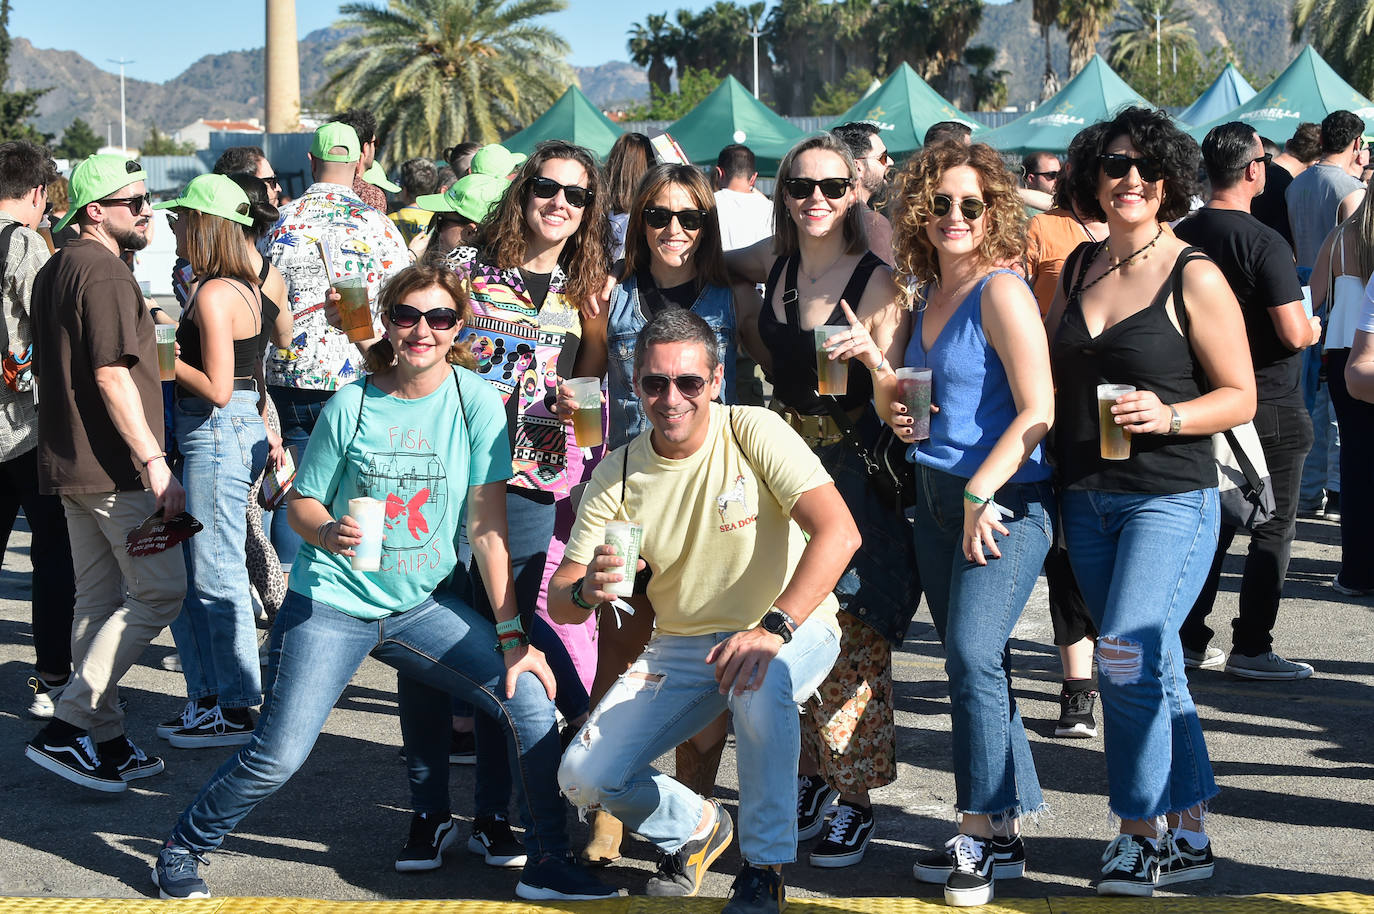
{"points": [[658, 217], [406, 316], [942, 205], [548, 188], [689, 385], [803, 188], [135, 204], [272, 181], [1115, 165], [1266, 159], [1048, 175]]}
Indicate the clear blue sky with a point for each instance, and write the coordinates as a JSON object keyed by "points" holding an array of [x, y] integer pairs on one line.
{"points": [[164, 39]]}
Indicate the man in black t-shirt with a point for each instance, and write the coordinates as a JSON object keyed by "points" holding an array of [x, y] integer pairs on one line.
{"points": [[1258, 263]]}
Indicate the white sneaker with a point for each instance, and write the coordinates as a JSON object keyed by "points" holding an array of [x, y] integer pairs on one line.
{"points": [[1210, 658], [1268, 666]]}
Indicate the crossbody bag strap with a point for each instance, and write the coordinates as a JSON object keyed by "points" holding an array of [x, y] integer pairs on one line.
{"points": [[6, 234]]}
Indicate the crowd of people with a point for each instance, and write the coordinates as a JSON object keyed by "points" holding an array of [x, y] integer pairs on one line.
{"points": [[937, 380]]}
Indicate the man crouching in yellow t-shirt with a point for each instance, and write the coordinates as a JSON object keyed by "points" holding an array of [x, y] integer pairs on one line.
{"points": [[746, 538]]}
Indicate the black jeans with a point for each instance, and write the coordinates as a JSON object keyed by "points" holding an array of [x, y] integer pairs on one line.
{"points": [[54, 584], [1356, 420], [1285, 434]]}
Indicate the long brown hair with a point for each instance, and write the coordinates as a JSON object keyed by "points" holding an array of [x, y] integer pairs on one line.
{"points": [[629, 160], [413, 278], [785, 242], [216, 248], [710, 260], [503, 235], [1361, 222]]}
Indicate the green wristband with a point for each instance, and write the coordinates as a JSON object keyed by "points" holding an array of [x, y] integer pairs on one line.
{"points": [[576, 595], [974, 499]]}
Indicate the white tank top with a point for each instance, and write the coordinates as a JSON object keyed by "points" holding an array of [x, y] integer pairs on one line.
{"points": [[1347, 301]]}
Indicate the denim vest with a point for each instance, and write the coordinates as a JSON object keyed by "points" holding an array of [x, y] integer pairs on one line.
{"points": [[715, 305]]}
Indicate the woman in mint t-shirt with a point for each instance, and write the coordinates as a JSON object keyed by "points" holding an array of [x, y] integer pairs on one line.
{"points": [[429, 440]]}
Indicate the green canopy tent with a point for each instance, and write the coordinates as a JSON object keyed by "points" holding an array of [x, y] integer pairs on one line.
{"points": [[1308, 90], [572, 118], [903, 108], [1095, 94], [1227, 92], [729, 115]]}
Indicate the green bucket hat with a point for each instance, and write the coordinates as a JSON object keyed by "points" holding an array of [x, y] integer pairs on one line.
{"points": [[98, 177], [216, 195], [496, 160], [327, 136], [471, 196], [376, 176]]}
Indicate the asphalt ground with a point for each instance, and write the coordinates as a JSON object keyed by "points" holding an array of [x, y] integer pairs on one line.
{"points": [[1294, 761]]}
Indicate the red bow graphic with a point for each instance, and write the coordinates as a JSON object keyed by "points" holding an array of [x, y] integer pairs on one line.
{"points": [[415, 521]]}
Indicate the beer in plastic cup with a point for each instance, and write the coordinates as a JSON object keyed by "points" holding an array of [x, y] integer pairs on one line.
{"points": [[587, 416], [913, 389], [625, 537], [832, 375], [370, 514], [354, 313], [1115, 440], [166, 351]]}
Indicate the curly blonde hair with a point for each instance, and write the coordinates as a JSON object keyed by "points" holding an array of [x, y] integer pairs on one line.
{"points": [[1004, 223]]}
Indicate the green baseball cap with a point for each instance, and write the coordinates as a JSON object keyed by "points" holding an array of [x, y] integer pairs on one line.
{"points": [[327, 136], [471, 196], [98, 177], [376, 176], [496, 160], [216, 195]]}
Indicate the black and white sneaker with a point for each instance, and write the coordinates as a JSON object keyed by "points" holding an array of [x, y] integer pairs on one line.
{"points": [[1179, 861], [462, 748], [45, 697], [756, 890], [129, 760], [1008, 861], [1130, 866], [495, 843], [680, 873], [1076, 720], [851, 827], [814, 797], [430, 836], [217, 727], [970, 881], [190, 715], [74, 758]]}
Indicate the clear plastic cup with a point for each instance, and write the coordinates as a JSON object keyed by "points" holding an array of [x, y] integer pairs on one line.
{"points": [[913, 390], [832, 375], [1115, 440], [626, 538], [370, 514], [587, 416], [355, 314], [166, 351]]}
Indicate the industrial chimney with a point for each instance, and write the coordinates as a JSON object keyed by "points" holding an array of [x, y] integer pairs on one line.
{"points": [[282, 68]]}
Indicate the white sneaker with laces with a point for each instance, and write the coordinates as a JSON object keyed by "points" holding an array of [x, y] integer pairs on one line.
{"points": [[1210, 658], [1130, 866], [970, 882]]}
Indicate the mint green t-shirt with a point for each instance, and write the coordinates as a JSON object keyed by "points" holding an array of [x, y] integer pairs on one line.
{"points": [[419, 456]]}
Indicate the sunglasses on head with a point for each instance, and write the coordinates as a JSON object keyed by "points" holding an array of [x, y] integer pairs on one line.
{"points": [[1115, 165], [942, 205], [548, 188], [658, 217], [803, 188], [689, 385], [135, 204], [406, 316]]}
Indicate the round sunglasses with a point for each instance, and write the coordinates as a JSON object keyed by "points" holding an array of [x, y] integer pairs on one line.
{"points": [[548, 188], [690, 219], [407, 316], [803, 188], [972, 208], [689, 385], [1116, 166]]}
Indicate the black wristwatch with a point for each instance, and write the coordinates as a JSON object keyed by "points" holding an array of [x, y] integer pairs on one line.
{"points": [[779, 623]]}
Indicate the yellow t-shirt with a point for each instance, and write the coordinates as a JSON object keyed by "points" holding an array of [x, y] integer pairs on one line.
{"points": [[718, 532]]}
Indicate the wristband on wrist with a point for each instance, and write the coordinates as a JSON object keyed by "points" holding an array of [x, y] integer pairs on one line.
{"points": [[575, 592], [510, 642], [160, 455], [322, 531], [974, 499], [880, 366], [510, 627]]}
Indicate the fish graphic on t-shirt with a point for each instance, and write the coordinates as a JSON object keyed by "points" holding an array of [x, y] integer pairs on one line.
{"points": [[415, 521]]}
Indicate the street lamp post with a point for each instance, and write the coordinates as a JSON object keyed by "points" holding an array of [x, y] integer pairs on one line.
{"points": [[123, 135], [1159, 69], [754, 33]]}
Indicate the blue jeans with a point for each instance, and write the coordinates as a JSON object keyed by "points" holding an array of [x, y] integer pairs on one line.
{"points": [[1141, 561], [316, 650], [223, 450], [298, 410], [669, 695], [975, 608]]}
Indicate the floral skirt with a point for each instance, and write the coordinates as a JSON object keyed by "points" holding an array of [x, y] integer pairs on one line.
{"points": [[849, 729]]}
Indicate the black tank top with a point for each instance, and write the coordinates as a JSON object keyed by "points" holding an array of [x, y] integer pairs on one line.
{"points": [[1144, 350], [794, 349], [248, 352]]}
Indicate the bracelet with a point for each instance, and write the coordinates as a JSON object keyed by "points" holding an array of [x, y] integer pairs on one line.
{"points": [[159, 455], [322, 531], [510, 627], [882, 365], [974, 499], [509, 644], [575, 592]]}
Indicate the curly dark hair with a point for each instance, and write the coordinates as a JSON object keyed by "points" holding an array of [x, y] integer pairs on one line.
{"points": [[1090, 135], [1155, 137]]}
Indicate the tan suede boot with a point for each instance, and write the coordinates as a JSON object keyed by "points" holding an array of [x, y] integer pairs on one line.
{"points": [[696, 770], [603, 846]]}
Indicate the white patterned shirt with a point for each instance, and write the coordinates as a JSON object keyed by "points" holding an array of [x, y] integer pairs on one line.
{"points": [[18, 413]]}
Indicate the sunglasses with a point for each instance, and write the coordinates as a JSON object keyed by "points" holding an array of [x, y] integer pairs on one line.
{"points": [[1047, 175], [135, 204], [1115, 165], [689, 385], [271, 181], [1266, 159], [406, 316], [690, 219], [548, 188], [942, 205], [882, 158], [803, 188]]}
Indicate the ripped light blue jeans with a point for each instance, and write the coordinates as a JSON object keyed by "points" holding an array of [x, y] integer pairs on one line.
{"points": [[668, 695]]}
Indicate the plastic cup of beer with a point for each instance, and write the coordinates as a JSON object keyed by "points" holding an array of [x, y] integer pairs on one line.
{"points": [[1114, 439], [913, 390], [370, 514], [832, 375], [626, 538], [587, 416], [355, 315], [166, 351]]}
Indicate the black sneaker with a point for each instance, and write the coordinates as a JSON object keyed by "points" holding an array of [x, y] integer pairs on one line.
{"points": [[553, 878], [1076, 720], [190, 715], [970, 879], [814, 797], [430, 836], [177, 874], [1179, 861], [1130, 866], [462, 748], [756, 890], [851, 827], [128, 759], [217, 727], [1008, 861], [493, 841], [680, 873], [74, 758], [45, 697]]}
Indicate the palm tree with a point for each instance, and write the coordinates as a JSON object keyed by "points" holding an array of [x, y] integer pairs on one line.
{"points": [[989, 85], [1045, 13], [434, 72], [1148, 30], [1082, 21], [651, 43], [1342, 31]]}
